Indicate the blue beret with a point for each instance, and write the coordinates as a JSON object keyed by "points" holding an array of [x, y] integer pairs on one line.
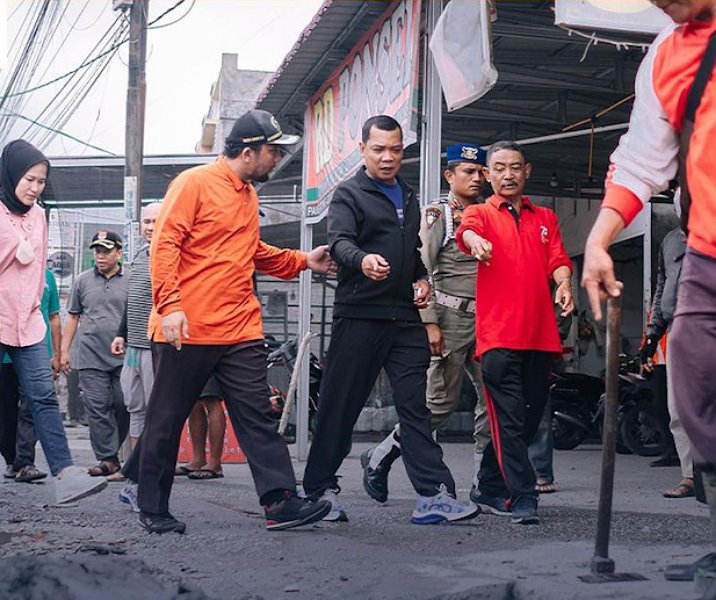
{"points": [[466, 153]]}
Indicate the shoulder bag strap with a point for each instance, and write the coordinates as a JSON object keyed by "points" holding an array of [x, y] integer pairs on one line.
{"points": [[693, 101]]}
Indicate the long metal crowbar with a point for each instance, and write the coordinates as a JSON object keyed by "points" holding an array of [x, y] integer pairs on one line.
{"points": [[602, 566]]}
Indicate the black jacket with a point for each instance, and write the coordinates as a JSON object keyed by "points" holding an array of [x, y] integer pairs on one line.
{"points": [[362, 220], [671, 254]]}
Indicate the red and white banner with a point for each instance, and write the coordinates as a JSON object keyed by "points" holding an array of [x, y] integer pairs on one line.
{"points": [[379, 76]]}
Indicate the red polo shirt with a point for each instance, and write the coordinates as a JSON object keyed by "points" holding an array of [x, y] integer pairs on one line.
{"points": [[515, 307]]}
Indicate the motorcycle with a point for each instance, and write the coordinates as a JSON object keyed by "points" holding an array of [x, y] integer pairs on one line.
{"points": [[284, 355], [639, 425], [577, 408], [578, 402]]}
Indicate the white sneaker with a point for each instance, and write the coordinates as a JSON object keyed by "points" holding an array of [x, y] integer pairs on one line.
{"points": [[74, 483], [337, 513], [128, 496], [441, 507]]}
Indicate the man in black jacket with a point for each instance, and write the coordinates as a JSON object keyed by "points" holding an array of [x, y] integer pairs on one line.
{"points": [[373, 225], [663, 307]]}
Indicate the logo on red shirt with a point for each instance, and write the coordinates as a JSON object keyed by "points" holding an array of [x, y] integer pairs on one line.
{"points": [[544, 232]]}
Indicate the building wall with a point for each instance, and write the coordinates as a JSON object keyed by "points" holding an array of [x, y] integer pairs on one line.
{"points": [[234, 93]]}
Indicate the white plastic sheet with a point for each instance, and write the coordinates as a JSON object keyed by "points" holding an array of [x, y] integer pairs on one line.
{"points": [[633, 16], [461, 46]]}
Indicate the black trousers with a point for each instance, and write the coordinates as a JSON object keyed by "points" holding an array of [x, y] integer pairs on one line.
{"points": [[179, 378], [26, 437], [75, 406], [517, 388], [357, 352], [9, 405], [17, 430]]}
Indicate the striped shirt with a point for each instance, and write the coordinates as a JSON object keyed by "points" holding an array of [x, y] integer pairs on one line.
{"points": [[136, 317]]}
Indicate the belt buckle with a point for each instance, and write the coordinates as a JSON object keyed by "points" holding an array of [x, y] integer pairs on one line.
{"points": [[462, 309]]}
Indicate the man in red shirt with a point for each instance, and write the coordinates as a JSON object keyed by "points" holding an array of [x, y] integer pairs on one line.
{"points": [[520, 250]]}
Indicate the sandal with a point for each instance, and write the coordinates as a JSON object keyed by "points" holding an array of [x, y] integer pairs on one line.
{"points": [[29, 473], [183, 471], [545, 487], [683, 490], [205, 474], [104, 468]]}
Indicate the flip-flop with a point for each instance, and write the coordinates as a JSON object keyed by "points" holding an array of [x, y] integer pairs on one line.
{"points": [[29, 474], [687, 572], [104, 468], [545, 487], [205, 474], [183, 471], [680, 491]]}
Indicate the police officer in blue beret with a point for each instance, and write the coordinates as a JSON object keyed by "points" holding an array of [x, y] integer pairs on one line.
{"points": [[449, 318]]}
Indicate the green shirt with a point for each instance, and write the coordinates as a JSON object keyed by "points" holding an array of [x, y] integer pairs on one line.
{"points": [[50, 305]]}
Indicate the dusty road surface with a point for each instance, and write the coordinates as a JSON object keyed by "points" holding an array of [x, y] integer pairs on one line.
{"points": [[227, 554]]}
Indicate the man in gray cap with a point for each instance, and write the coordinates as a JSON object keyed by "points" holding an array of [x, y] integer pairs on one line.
{"points": [[97, 302], [449, 318]]}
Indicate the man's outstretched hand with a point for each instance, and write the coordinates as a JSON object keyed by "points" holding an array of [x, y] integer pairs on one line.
{"points": [[598, 278], [319, 261], [479, 247], [375, 267]]}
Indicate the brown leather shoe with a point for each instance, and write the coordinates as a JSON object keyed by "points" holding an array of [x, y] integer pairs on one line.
{"points": [[685, 489]]}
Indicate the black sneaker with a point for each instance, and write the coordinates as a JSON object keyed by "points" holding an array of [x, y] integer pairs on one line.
{"points": [[493, 505], [375, 481], [293, 511], [668, 460], [164, 523], [524, 511]]}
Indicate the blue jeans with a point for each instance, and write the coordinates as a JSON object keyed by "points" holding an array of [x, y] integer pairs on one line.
{"points": [[541, 449], [32, 365]]}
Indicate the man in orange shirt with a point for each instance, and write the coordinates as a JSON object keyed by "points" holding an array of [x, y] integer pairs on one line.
{"points": [[206, 319], [675, 95]]}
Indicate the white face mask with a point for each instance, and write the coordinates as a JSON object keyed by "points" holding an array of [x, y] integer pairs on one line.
{"points": [[25, 253]]}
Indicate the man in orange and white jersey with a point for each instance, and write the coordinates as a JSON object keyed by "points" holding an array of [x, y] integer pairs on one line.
{"points": [[646, 159]]}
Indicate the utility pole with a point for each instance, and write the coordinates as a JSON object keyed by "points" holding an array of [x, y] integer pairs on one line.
{"points": [[432, 116], [134, 135]]}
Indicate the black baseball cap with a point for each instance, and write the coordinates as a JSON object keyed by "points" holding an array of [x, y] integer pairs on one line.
{"points": [[106, 239], [258, 127]]}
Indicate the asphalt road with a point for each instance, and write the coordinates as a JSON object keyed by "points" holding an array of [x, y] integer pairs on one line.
{"points": [[227, 553]]}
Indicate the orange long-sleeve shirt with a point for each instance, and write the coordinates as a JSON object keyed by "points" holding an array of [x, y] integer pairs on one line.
{"points": [[205, 248], [647, 156]]}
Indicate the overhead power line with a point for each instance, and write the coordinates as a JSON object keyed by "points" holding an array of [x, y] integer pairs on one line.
{"points": [[99, 56], [60, 108], [175, 21], [58, 132]]}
